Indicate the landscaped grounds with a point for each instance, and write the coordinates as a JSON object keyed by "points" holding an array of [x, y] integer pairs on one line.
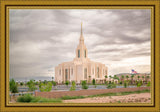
{"points": [[123, 91]]}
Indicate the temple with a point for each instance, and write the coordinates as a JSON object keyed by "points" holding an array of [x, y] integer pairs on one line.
{"points": [[81, 68]]}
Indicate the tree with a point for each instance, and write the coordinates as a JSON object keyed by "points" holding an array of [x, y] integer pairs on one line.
{"points": [[127, 77], [132, 78], [52, 78], [36, 83], [13, 86], [122, 77], [115, 76], [45, 82], [45, 87], [148, 77], [143, 78], [110, 76], [138, 77], [31, 85]]}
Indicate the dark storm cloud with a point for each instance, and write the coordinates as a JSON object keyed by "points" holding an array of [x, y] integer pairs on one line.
{"points": [[42, 39]]}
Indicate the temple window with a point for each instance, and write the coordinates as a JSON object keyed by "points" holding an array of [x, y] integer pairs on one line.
{"points": [[92, 70], [97, 72], [85, 73], [60, 72], [72, 71], [78, 53], [106, 72], [85, 53], [66, 74]]}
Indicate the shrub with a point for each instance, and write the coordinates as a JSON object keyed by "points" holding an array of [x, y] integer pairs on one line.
{"points": [[25, 98], [29, 98], [84, 85], [73, 87], [148, 84], [45, 87], [141, 82], [54, 83], [106, 82], [93, 82], [21, 84], [125, 84], [120, 82], [110, 86], [114, 85], [67, 83], [138, 84]]}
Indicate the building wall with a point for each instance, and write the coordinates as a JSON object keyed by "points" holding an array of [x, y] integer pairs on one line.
{"points": [[76, 72]]}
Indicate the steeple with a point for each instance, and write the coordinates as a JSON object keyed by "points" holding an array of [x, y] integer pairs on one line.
{"points": [[81, 40], [81, 51]]}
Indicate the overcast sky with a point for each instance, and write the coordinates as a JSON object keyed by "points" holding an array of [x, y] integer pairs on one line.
{"points": [[41, 39]]}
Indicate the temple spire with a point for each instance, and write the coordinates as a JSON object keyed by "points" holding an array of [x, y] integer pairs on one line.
{"points": [[81, 40]]}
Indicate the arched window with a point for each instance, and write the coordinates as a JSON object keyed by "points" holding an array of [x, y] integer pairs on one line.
{"points": [[92, 70], [85, 73], [72, 71], [66, 74], [78, 53], [106, 72], [85, 53], [97, 72], [59, 71]]}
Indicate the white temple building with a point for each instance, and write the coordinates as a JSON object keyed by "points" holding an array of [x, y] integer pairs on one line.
{"points": [[81, 68]]}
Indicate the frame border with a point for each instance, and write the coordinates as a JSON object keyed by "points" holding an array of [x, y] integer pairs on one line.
{"points": [[2, 50]]}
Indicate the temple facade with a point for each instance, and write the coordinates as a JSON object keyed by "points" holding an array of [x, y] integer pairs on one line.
{"points": [[81, 68]]}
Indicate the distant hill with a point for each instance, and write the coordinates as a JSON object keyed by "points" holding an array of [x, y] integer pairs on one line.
{"points": [[131, 74]]}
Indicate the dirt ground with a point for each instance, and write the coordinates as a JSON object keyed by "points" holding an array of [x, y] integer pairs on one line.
{"points": [[132, 98]]}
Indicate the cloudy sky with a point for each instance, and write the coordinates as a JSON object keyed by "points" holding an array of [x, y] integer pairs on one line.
{"points": [[41, 39]]}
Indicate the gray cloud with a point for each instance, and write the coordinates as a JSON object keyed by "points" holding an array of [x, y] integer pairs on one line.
{"points": [[42, 39]]}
